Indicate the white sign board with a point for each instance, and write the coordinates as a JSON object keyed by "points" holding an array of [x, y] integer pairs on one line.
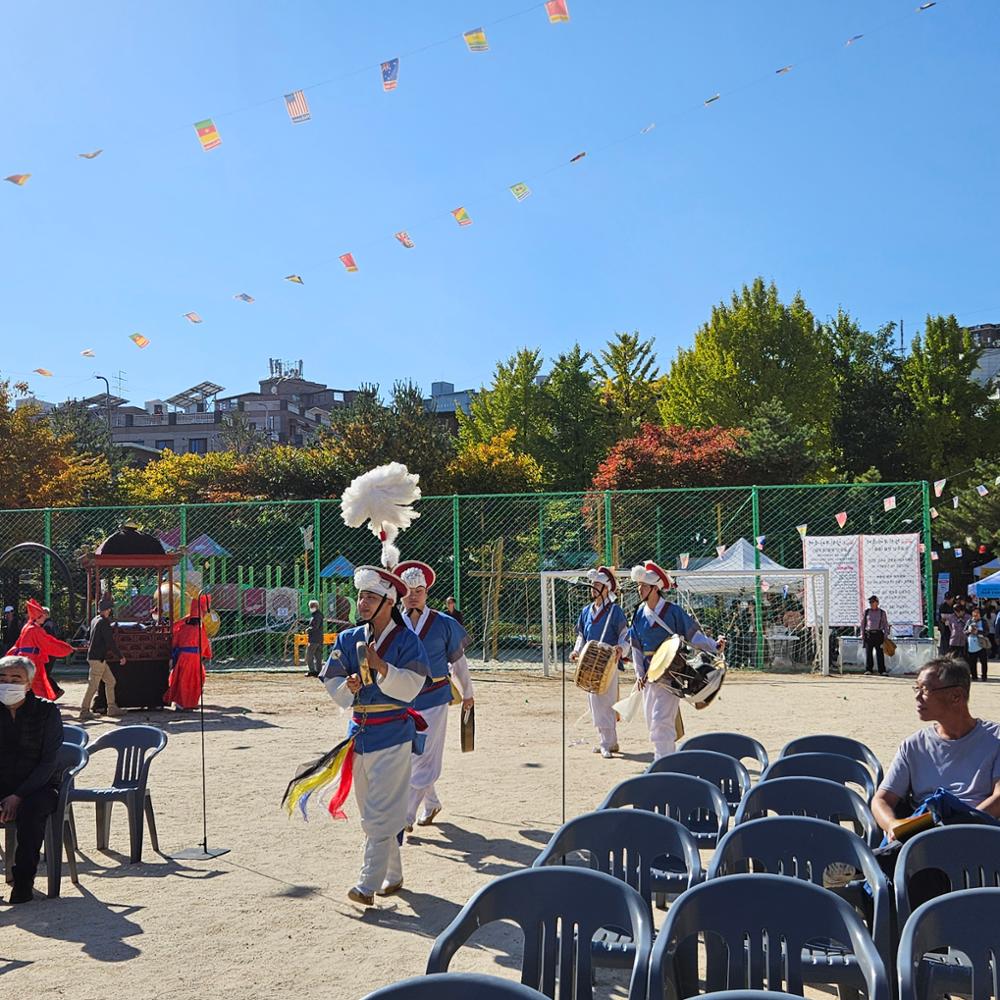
{"points": [[890, 569], [841, 555]]}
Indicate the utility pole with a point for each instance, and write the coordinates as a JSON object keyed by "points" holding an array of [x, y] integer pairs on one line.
{"points": [[107, 414]]}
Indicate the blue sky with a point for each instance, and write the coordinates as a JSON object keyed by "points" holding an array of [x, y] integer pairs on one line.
{"points": [[866, 177]]}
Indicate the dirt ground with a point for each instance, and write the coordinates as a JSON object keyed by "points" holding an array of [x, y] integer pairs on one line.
{"points": [[271, 916]]}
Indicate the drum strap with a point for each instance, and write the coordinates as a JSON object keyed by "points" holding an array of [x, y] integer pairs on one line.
{"points": [[606, 609]]}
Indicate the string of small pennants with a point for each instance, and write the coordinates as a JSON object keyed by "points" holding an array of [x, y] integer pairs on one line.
{"points": [[299, 112]]}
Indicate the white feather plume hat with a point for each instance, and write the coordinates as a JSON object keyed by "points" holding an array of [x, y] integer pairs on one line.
{"points": [[379, 581], [383, 497]]}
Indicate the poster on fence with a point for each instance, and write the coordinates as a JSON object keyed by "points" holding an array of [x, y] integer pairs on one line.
{"points": [[841, 555], [890, 569]]}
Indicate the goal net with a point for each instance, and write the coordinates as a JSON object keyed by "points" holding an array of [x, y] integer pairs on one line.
{"points": [[772, 619]]}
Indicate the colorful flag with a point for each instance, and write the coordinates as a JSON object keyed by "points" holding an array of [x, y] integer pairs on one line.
{"points": [[19, 179], [558, 11], [720, 550], [461, 216], [982, 550], [982, 490], [404, 237], [390, 74], [208, 134], [760, 541], [194, 317], [853, 39], [476, 40], [939, 486], [43, 371], [996, 482], [139, 340], [841, 518], [297, 107], [958, 553], [801, 529], [954, 502], [347, 259], [783, 70], [934, 556], [765, 586], [684, 558], [243, 297], [934, 512], [649, 128], [928, 5], [889, 503], [520, 191], [946, 545], [295, 279], [921, 548], [86, 353], [577, 158], [712, 99]]}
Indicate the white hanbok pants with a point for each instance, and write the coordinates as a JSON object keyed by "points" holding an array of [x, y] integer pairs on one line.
{"points": [[427, 766], [381, 780], [659, 704], [602, 713]]}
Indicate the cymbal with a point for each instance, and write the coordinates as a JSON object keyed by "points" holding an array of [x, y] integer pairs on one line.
{"points": [[663, 657]]}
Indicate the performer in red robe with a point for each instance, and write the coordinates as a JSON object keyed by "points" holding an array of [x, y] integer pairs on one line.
{"points": [[187, 675], [39, 647]]}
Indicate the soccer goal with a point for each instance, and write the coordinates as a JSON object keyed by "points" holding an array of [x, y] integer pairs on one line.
{"points": [[772, 619]]}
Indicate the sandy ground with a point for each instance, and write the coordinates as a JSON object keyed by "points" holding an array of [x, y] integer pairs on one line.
{"points": [[271, 916]]}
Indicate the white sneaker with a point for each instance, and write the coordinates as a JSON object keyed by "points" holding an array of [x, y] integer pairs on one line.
{"points": [[606, 754]]}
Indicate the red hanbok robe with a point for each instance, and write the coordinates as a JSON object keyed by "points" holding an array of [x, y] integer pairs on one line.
{"points": [[186, 676], [37, 645]]}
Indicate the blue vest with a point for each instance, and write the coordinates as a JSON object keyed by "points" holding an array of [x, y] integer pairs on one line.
{"points": [[592, 626], [445, 641], [649, 636], [389, 726]]}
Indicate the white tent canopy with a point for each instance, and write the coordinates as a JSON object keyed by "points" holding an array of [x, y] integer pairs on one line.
{"points": [[721, 575]]}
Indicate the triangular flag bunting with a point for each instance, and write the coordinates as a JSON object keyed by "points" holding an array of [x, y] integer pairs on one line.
{"points": [[558, 11], [889, 503], [934, 556], [43, 371], [243, 297], [192, 317], [390, 74], [347, 259], [954, 502], [86, 353], [982, 490], [934, 512], [297, 107], [90, 156], [520, 191], [461, 216], [802, 529], [841, 518], [958, 553], [946, 545], [404, 237], [19, 179], [295, 279], [720, 550], [139, 340], [760, 541], [684, 558], [476, 40], [712, 99], [208, 134], [939, 486]]}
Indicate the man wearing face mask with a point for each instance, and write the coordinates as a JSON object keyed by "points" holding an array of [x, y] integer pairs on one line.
{"points": [[31, 733]]}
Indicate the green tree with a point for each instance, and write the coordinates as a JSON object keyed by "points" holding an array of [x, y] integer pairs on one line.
{"points": [[628, 373], [776, 448], [576, 425], [189, 478], [239, 435], [751, 351], [494, 466], [976, 520], [950, 418]]}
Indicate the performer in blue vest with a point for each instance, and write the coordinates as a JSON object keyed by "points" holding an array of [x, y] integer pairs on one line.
{"points": [[604, 621], [385, 730], [444, 640], [653, 622]]}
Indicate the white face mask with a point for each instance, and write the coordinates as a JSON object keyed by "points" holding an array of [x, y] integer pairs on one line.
{"points": [[11, 694]]}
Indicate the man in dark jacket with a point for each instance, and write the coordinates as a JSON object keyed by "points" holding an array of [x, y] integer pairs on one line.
{"points": [[100, 652], [314, 651], [31, 733], [10, 629]]}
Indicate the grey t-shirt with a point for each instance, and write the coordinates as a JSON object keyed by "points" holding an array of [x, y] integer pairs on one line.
{"points": [[968, 767]]}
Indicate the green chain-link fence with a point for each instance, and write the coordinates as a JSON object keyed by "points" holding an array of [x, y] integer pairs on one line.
{"points": [[264, 561]]}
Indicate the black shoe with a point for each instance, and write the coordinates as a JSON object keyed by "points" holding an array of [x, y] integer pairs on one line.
{"points": [[21, 894]]}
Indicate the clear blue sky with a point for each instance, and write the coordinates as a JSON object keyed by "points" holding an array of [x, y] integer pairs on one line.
{"points": [[867, 177]]}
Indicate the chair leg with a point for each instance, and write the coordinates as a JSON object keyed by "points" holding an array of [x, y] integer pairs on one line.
{"points": [[103, 812], [135, 825], [151, 823], [53, 856], [69, 843], [9, 846], [71, 819]]}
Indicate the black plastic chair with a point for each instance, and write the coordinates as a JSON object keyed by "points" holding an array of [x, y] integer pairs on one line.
{"points": [[816, 797], [802, 847], [734, 745], [59, 834], [634, 846], [831, 743], [965, 922], [968, 857], [559, 911], [832, 766], [757, 929], [729, 774], [136, 747], [456, 986], [76, 735]]}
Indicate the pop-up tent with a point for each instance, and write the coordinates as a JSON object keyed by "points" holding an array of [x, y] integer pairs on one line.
{"points": [[989, 586], [739, 556]]}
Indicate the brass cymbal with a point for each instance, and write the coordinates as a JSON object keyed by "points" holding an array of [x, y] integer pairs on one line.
{"points": [[663, 657]]}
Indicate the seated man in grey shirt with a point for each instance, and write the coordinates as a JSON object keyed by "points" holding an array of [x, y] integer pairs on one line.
{"points": [[957, 752]]}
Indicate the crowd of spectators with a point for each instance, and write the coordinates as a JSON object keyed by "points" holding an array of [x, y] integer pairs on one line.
{"points": [[968, 629]]}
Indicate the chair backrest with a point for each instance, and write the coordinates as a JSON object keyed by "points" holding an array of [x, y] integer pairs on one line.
{"points": [[965, 921], [719, 768], [803, 847], [831, 743], [626, 844], [456, 986], [969, 857], [816, 797], [695, 803], [76, 735], [559, 911], [70, 761], [136, 747], [733, 744], [763, 923], [832, 766]]}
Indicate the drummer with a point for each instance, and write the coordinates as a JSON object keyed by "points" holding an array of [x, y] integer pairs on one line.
{"points": [[603, 621], [654, 621]]}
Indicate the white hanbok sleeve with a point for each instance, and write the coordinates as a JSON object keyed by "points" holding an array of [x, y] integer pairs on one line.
{"points": [[403, 685], [460, 669], [339, 691]]}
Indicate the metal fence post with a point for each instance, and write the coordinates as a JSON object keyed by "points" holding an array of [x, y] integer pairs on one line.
{"points": [[456, 576], [758, 612], [184, 562], [47, 524], [317, 561], [607, 528], [929, 608]]}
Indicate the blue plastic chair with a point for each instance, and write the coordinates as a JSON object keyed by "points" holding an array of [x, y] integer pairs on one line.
{"points": [[831, 743], [729, 774], [734, 745], [76, 735], [640, 848], [695, 803], [456, 986], [559, 911], [832, 766], [59, 833], [965, 922], [136, 747], [969, 857], [757, 929], [802, 847], [816, 797]]}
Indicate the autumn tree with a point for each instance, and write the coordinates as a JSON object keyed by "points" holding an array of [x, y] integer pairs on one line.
{"points": [[494, 466], [189, 478]]}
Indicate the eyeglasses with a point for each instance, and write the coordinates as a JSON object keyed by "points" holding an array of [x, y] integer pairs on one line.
{"points": [[923, 689]]}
